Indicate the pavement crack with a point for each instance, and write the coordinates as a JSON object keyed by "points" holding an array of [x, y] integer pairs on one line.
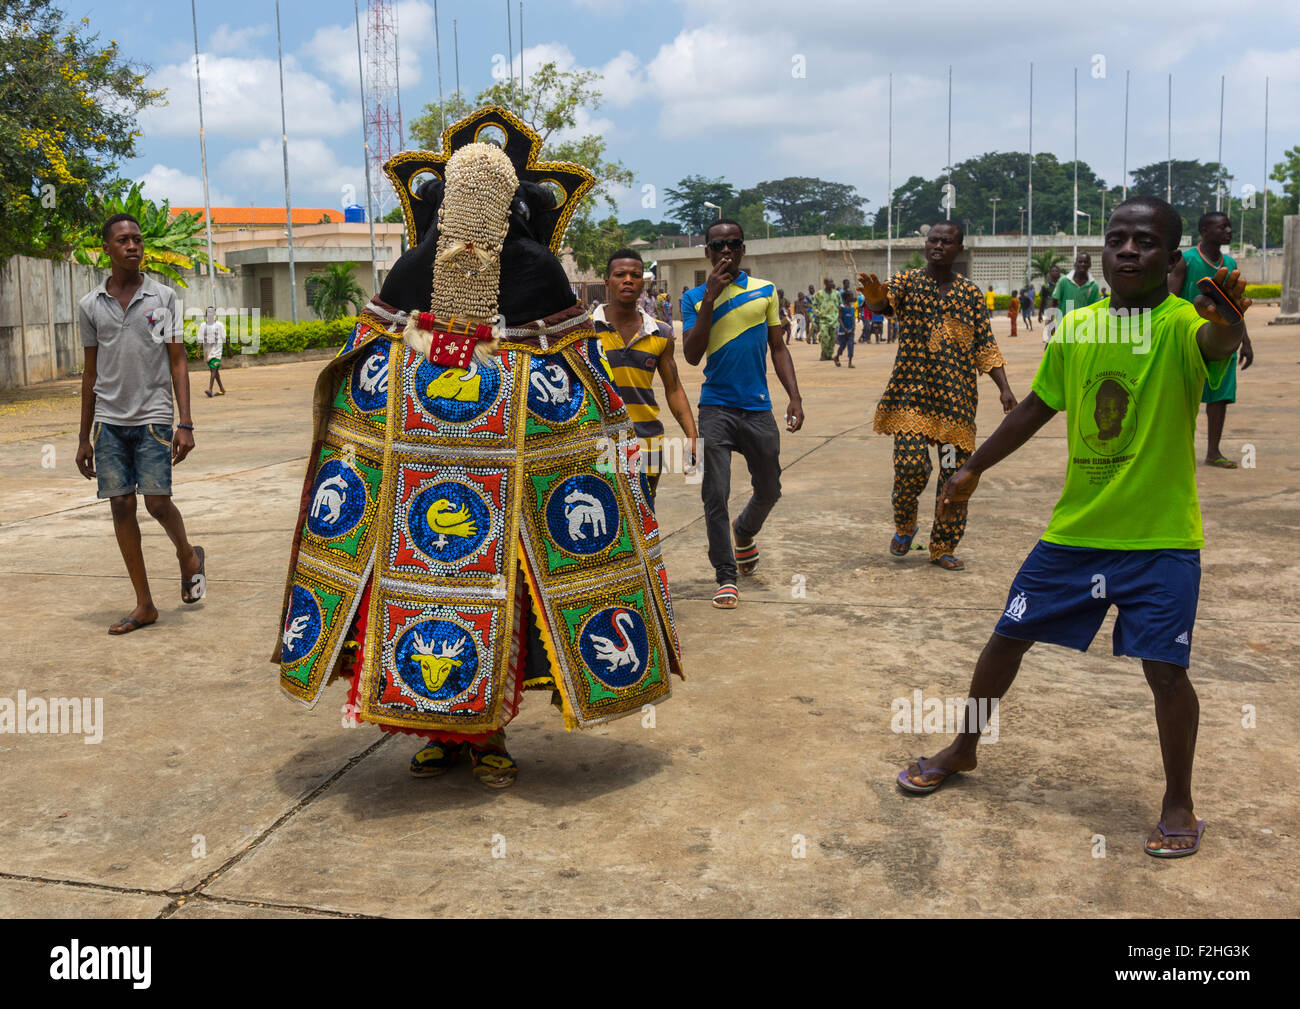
{"points": [[235, 859]]}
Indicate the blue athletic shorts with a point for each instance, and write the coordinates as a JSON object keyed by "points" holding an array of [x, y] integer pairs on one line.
{"points": [[1061, 595], [136, 459]]}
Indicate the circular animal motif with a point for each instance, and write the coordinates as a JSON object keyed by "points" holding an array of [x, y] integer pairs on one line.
{"points": [[554, 392], [582, 514], [302, 626], [457, 395], [338, 500], [370, 380], [615, 646], [436, 659], [449, 521]]}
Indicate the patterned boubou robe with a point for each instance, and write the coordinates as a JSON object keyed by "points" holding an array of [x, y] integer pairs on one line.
{"points": [[944, 341], [453, 507]]}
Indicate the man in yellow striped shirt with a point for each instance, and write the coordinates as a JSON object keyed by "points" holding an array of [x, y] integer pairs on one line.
{"points": [[637, 346]]}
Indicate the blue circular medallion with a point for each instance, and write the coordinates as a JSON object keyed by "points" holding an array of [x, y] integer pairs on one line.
{"points": [[437, 659], [582, 514], [457, 394], [554, 392], [338, 500], [448, 521], [615, 646], [302, 625], [370, 380]]}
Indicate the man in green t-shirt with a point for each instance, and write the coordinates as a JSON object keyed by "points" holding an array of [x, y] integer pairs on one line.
{"points": [[1077, 290], [1203, 261], [1127, 529]]}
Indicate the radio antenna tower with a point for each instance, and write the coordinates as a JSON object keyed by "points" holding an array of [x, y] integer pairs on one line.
{"points": [[383, 113]]}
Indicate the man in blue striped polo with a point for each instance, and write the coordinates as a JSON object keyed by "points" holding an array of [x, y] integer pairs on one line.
{"points": [[734, 319]]}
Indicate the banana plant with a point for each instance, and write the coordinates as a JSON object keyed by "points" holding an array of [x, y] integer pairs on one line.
{"points": [[171, 244]]}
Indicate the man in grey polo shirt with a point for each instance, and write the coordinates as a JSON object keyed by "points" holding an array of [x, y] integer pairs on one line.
{"points": [[131, 332]]}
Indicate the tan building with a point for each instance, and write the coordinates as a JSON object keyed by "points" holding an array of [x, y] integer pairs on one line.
{"points": [[255, 242]]}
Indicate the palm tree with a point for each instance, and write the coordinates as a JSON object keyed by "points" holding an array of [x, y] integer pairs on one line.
{"points": [[170, 243], [1042, 262], [331, 291]]}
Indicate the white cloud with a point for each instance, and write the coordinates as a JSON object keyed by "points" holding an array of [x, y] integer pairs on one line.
{"points": [[236, 40], [332, 49], [316, 176], [181, 190], [241, 98]]}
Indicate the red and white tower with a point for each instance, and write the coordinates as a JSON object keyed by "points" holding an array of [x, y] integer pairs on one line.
{"points": [[383, 113]]}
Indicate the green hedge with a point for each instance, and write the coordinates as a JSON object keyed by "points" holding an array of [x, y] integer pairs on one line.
{"points": [[276, 336], [1258, 291]]}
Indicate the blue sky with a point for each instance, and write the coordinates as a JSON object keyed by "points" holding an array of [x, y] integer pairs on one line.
{"points": [[696, 87]]}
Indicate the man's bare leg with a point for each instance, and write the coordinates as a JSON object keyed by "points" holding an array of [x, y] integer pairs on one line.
{"points": [[127, 531], [1177, 716], [1215, 416], [994, 673], [169, 517]]}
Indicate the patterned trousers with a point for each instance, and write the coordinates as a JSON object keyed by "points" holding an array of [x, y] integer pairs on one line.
{"points": [[912, 469]]}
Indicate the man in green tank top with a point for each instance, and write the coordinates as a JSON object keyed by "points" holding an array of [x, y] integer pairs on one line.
{"points": [[1202, 260]]}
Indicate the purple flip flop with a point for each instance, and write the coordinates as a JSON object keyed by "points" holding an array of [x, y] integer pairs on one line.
{"points": [[908, 786], [1177, 852]]}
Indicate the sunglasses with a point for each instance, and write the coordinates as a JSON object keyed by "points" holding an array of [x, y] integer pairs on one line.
{"points": [[718, 244]]}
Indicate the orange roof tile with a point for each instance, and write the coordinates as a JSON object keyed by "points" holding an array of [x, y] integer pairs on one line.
{"points": [[265, 216]]}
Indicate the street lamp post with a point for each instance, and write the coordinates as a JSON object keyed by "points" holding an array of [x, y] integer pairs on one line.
{"points": [[994, 200], [1077, 215], [1102, 218]]}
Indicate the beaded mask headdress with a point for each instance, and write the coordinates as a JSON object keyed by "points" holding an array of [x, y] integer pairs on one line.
{"points": [[484, 158]]}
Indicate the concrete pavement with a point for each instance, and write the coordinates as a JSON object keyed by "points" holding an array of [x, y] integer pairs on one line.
{"points": [[765, 786]]}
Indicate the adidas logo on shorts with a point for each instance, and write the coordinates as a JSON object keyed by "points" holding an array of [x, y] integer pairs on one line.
{"points": [[1183, 639]]}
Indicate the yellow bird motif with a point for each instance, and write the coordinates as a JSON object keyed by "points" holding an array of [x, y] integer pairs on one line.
{"points": [[443, 520]]}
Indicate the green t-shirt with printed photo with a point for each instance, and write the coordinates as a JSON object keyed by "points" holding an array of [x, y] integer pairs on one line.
{"points": [[1131, 390]]}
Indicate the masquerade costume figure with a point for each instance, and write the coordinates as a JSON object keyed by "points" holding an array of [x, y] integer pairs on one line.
{"points": [[474, 520]]}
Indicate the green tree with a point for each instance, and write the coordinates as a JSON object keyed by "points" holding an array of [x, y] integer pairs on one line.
{"points": [[1041, 263], [688, 198], [835, 205], [67, 115], [394, 216], [1287, 172], [549, 102], [332, 290], [594, 241], [1193, 186], [751, 220], [171, 244]]}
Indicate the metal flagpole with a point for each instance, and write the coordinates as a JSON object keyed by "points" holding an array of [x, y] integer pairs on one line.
{"points": [[437, 47], [365, 142], [889, 184], [203, 156], [1076, 162], [947, 203], [1029, 248], [1218, 182], [284, 147], [1169, 151], [1263, 245], [510, 48], [1124, 180]]}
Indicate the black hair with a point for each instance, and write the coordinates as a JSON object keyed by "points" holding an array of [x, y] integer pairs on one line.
{"points": [[725, 220], [961, 232], [1208, 217], [1171, 222], [622, 254], [115, 219]]}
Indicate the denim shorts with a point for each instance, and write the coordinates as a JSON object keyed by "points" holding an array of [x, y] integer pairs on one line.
{"points": [[130, 460], [1061, 595]]}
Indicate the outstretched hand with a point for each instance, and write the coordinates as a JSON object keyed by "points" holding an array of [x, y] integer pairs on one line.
{"points": [[870, 287], [956, 492], [1234, 286]]}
